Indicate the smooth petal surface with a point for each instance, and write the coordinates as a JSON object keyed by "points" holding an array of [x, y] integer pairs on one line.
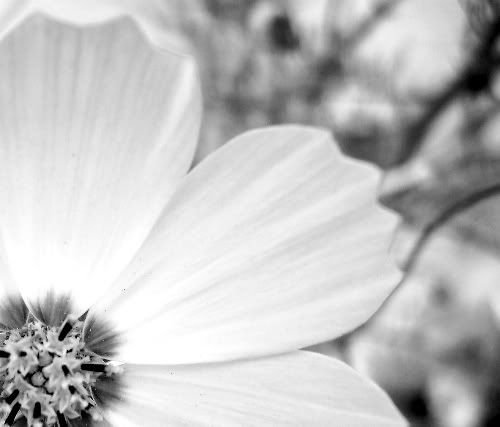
{"points": [[11, 12], [97, 128], [273, 243], [295, 389], [158, 19]]}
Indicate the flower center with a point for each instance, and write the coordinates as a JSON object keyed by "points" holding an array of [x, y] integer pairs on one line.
{"points": [[47, 374]]}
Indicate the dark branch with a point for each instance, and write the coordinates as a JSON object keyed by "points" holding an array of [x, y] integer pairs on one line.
{"points": [[475, 78], [443, 219]]}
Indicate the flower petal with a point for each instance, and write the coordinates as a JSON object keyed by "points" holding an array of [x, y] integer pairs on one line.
{"points": [[273, 243], [96, 130], [158, 19], [294, 389], [11, 12]]}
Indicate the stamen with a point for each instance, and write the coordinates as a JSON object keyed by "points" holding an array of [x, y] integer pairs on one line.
{"points": [[65, 330], [12, 416], [12, 397], [37, 379], [48, 375], [93, 367], [37, 410], [62, 420]]}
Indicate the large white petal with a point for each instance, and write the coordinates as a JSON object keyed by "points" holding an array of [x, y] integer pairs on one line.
{"points": [[11, 12], [158, 19], [273, 243], [97, 128], [298, 389]]}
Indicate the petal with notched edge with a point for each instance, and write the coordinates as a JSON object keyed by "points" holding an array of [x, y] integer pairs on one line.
{"points": [[97, 128], [273, 243]]}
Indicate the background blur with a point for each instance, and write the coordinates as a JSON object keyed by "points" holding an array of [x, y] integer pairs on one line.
{"points": [[412, 86]]}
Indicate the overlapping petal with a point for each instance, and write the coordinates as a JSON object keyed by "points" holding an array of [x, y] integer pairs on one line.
{"points": [[273, 243], [294, 389], [156, 18], [97, 128]]}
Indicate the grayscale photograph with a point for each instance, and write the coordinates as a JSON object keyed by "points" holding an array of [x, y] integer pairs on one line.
{"points": [[263, 213]]}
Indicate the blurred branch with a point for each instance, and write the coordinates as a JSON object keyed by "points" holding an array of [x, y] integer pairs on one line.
{"points": [[332, 64], [379, 14], [447, 215], [475, 78]]}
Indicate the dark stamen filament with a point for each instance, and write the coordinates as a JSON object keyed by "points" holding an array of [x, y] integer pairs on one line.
{"points": [[65, 330], [37, 410], [12, 416], [12, 397], [62, 420], [38, 346], [93, 367]]}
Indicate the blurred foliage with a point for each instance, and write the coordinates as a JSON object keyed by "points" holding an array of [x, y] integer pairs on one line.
{"points": [[412, 86]]}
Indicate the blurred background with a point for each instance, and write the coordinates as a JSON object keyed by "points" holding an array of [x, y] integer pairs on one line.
{"points": [[413, 87]]}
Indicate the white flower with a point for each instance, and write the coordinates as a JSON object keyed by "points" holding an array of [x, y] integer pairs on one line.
{"points": [[205, 284]]}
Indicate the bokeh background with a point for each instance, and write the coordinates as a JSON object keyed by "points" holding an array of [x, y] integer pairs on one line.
{"points": [[411, 86]]}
